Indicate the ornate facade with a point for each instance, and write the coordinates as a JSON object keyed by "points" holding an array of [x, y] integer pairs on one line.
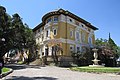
{"points": [[65, 29]]}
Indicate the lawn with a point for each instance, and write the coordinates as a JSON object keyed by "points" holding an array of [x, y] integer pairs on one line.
{"points": [[4, 70], [97, 69]]}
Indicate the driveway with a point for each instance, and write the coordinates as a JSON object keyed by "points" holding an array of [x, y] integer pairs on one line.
{"points": [[24, 72]]}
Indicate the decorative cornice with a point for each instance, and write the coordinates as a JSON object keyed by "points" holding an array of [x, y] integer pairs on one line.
{"points": [[67, 13]]}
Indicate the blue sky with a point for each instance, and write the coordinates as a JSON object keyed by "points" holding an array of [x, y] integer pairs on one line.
{"points": [[104, 14]]}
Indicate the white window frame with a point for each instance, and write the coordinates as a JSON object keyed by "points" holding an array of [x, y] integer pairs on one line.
{"points": [[77, 36], [90, 39], [55, 20], [47, 33], [54, 30], [71, 33], [83, 37]]}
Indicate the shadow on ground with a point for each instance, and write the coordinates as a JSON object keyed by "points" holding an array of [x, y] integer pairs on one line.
{"points": [[31, 78], [18, 67], [15, 66]]}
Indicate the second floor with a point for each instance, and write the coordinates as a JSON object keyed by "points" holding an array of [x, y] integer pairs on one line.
{"points": [[58, 25]]}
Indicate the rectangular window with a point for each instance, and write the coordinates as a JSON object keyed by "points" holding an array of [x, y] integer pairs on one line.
{"points": [[78, 49], [71, 48], [46, 33], [55, 19], [77, 36], [71, 33], [83, 36], [49, 20], [55, 31], [90, 40], [42, 37]]}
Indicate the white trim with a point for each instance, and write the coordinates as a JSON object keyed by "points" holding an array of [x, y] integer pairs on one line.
{"points": [[47, 25], [90, 39], [77, 35], [62, 40]]}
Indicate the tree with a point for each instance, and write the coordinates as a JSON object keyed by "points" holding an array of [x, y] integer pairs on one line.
{"points": [[5, 31], [101, 42], [112, 45], [107, 51], [118, 51], [17, 35], [23, 38]]}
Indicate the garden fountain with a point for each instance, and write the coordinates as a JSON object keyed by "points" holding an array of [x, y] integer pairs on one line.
{"points": [[95, 61]]}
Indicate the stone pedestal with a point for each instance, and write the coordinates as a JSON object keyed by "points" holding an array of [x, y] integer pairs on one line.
{"points": [[95, 64]]}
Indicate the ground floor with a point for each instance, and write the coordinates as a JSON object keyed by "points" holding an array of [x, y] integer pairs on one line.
{"points": [[24, 72], [61, 47]]}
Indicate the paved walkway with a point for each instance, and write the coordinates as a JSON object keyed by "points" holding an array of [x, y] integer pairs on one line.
{"points": [[22, 72]]}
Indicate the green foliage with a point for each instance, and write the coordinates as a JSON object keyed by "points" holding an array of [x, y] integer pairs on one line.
{"points": [[4, 70], [108, 44], [101, 42], [83, 58], [112, 45], [118, 50], [5, 31], [108, 51], [17, 35]]}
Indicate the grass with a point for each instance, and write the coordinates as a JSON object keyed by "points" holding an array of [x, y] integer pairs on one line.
{"points": [[4, 70], [20, 62], [97, 69]]}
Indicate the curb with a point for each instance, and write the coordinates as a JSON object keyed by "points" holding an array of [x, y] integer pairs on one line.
{"points": [[6, 73]]}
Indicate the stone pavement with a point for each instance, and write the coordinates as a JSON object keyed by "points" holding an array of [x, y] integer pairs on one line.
{"points": [[22, 72]]}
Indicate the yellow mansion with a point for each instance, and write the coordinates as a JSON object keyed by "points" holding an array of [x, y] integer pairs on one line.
{"points": [[63, 28]]}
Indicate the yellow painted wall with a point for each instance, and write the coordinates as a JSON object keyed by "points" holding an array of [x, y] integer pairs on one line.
{"points": [[62, 30], [93, 39]]}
